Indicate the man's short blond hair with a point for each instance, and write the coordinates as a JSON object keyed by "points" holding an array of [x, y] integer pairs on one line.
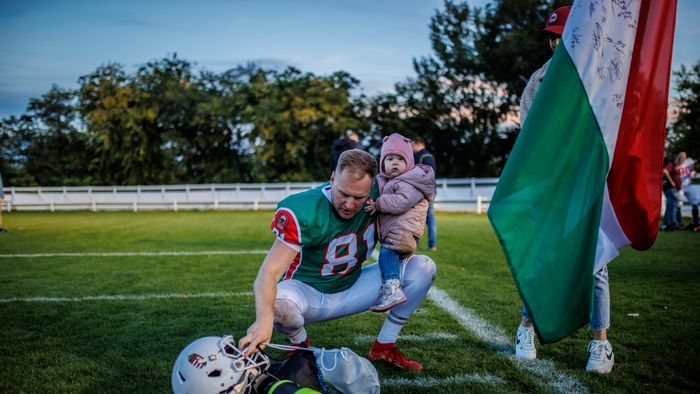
{"points": [[358, 162]]}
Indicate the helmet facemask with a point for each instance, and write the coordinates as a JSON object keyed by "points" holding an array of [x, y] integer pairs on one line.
{"points": [[216, 365]]}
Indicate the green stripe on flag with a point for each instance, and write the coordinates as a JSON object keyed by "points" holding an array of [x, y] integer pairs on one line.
{"points": [[547, 205]]}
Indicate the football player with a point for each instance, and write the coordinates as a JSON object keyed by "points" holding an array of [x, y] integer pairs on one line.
{"points": [[313, 271]]}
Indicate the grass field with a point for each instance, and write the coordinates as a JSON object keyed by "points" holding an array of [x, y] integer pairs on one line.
{"points": [[79, 316]]}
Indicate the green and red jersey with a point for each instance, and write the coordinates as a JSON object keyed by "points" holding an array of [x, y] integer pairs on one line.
{"points": [[330, 249]]}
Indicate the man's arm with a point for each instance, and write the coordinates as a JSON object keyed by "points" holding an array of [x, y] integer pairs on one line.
{"points": [[276, 262], [400, 241]]}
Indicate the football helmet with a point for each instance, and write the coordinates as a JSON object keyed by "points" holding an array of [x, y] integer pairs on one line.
{"points": [[216, 365]]}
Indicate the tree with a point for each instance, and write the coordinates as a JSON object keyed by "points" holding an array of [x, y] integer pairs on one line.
{"points": [[449, 103], [16, 136], [295, 117], [220, 146], [463, 100], [685, 132], [45, 146], [57, 154], [507, 44], [128, 147]]}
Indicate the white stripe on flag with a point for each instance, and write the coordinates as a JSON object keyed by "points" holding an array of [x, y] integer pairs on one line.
{"points": [[599, 38]]}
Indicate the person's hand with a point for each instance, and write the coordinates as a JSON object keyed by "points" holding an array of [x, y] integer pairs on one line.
{"points": [[400, 241], [257, 333], [371, 207], [673, 184]]}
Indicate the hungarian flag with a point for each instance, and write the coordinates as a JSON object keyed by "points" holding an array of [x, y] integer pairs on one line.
{"points": [[584, 176]]}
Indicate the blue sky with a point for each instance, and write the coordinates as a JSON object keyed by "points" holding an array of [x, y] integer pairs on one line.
{"points": [[55, 42]]}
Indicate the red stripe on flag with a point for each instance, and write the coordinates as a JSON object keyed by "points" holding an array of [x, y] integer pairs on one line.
{"points": [[634, 181]]}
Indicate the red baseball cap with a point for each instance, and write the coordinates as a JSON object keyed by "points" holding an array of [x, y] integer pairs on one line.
{"points": [[555, 22]]}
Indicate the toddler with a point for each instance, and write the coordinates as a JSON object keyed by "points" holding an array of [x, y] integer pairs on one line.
{"points": [[405, 191]]}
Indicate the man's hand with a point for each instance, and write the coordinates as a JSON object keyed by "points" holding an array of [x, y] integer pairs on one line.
{"points": [[265, 289], [401, 241], [258, 333], [371, 207]]}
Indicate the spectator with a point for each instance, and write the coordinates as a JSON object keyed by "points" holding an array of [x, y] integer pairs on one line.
{"points": [[2, 202], [601, 358], [686, 172], [670, 183], [350, 141], [422, 156]]}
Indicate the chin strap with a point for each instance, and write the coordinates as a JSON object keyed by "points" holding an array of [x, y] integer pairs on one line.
{"points": [[289, 347]]}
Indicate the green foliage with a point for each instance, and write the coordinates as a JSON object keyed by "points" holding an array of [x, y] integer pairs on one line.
{"points": [[166, 124], [130, 345], [508, 46], [16, 136], [295, 118], [46, 145], [685, 132]]}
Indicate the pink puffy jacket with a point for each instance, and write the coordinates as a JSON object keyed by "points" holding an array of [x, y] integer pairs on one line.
{"points": [[403, 201]]}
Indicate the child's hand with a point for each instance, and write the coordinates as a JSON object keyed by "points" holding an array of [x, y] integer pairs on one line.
{"points": [[371, 207]]}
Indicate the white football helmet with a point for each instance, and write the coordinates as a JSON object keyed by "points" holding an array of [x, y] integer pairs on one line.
{"points": [[215, 365]]}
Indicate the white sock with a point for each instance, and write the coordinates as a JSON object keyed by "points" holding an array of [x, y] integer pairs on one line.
{"points": [[299, 336], [391, 329]]}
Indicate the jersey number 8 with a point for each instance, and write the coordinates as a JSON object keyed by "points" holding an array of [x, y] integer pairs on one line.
{"points": [[341, 264]]}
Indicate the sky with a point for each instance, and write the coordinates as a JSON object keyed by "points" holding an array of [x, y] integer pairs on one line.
{"points": [[46, 42]]}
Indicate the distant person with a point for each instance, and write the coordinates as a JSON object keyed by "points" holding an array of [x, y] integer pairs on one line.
{"points": [[350, 141], [405, 191], [670, 184], [686, 172], [2, 202], [422, 156], [601, 358]]}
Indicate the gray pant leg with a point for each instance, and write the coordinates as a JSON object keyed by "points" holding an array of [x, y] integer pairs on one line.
{"points": [[600, 320], [418, 276]]}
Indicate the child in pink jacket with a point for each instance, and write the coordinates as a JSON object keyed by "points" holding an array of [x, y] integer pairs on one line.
{"points": [[405, 191]]}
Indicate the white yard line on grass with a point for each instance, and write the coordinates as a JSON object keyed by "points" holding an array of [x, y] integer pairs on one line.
{"points": [[128, 254], [433, 336], [126, 297], [450, 380], [497, 339]]}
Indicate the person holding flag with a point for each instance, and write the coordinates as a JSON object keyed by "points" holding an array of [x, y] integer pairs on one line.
{"points": [[601, 358], [599, 114]]}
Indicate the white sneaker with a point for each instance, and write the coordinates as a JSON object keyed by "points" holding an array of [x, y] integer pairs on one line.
{"points": [[525, 343], [602, 357], [390, 295]]}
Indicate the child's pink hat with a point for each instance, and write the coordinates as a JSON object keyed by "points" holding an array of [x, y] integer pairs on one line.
{"points": [[396, 144]]}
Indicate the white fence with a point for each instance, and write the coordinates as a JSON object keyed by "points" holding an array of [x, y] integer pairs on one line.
{"points": [[470, 194]]}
